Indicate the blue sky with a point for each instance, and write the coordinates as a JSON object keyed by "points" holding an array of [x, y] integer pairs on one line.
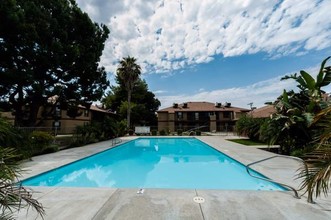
{"points": [[218, 51]]}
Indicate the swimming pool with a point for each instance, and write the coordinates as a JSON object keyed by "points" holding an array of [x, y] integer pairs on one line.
{"points": [[174, 163]]}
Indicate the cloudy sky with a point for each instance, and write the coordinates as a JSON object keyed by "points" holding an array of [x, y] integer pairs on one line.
{"points": [[218, 51]]}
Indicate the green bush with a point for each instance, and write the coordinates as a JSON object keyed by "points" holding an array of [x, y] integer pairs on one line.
{"points": [[98, 131], [162, 132], [250, 127], [40, 140], [12, 137], [120, 128], [84, 135], [112, 128], [198, 132], [154, 132], [50, 149], [179, 132]]}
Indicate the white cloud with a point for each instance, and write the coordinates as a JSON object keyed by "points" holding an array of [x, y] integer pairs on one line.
{"points": [[238, 96], [258, 93], [172, 34], [159, 92]]}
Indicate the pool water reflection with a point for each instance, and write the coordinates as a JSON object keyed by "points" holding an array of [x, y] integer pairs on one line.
{"points": [[177, 163]]}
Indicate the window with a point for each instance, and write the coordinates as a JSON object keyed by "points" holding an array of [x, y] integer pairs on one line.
{"points": [[196, 115], [179, 115], [227, 114]]}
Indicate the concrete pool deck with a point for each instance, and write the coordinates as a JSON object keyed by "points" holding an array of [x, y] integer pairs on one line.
{"points": [[118, 204]]}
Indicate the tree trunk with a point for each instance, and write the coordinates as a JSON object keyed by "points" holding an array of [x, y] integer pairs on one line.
{"points": [[33, 111], [129, 109], [18, 105]]}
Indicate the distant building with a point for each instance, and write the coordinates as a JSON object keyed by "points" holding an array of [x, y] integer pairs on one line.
{"points": [[266, 111], [65, 124], [263, 112], [208, 116]]}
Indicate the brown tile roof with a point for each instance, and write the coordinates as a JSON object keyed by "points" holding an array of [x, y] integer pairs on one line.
{"points": [[263, 112], [202, 107], [97, 108]]}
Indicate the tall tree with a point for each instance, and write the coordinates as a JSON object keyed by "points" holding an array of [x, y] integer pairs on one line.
{"points": [[295, 111], [129, 72], [143, 103], [48, 48]]}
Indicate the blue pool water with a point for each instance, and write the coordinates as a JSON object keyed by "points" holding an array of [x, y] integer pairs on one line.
{"points": [[178, 163]]}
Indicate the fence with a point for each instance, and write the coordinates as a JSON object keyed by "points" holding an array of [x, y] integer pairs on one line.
{"points": [[204, 128], [191, 130], [152, 130], [52, 130]]}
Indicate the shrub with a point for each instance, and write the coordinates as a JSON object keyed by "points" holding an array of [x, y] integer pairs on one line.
{"points": [[154, 132], [98, 131], [50, 149], [198, 132], [83, 135], [40, 140], [120, 128], [250, 127], [113, 128], [162, 132], [179, 132], [12, 137]]}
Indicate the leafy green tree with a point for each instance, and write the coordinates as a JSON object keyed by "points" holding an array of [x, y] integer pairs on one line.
{"points": [[249, 126], [48, 48], [128, 73], [289, 126], [311, 87], [295, 112], [143, 104]]}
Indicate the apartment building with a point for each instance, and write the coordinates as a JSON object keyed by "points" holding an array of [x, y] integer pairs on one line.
{"points": [[206, 116], [63, 123]]}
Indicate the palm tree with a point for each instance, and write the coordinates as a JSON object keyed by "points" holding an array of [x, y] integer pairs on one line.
{"points": [[312, 87], [128, 71], [316, 177], [13, 196], [295, 111]]}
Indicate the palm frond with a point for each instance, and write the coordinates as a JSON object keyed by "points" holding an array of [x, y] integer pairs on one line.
{"points": [[316, 176], [322, 123], [13, 196]]}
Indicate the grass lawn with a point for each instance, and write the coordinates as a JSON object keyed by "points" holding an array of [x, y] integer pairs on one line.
{"points": [[247, 142]]}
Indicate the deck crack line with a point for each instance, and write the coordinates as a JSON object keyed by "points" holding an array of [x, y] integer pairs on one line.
{"points": [[203, 216], [104, 204], [42, 193]]}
